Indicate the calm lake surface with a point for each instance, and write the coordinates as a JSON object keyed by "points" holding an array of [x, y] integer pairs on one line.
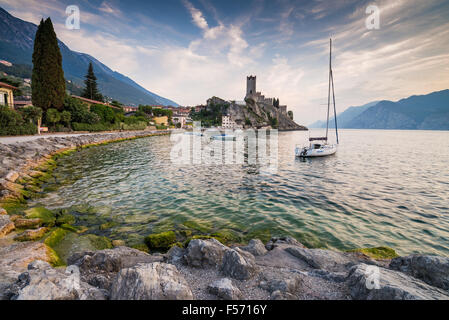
{"points": [[382, 188]]}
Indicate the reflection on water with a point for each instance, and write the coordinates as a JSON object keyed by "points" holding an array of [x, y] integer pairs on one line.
{"points": [[382, 188]]}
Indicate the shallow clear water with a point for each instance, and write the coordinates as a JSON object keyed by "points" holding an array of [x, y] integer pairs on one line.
{"points": [[381, 188]]}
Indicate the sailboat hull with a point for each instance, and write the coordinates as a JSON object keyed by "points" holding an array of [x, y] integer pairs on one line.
{"points": [[323, 151]]}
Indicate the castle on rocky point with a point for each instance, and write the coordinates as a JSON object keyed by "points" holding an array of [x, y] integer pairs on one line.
{"points": [[251, 92]]}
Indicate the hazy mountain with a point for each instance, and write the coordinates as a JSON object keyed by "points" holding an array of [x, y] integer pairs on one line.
{"points": [[425, 112], [345, 117], [16, 46]]}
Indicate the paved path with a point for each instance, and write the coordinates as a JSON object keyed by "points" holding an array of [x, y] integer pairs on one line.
{"points": [[9, 140]]}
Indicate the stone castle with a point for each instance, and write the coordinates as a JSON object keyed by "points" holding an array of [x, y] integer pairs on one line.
{"points": [[251, 92]]}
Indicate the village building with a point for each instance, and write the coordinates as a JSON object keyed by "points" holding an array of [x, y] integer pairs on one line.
{"points": [[228, 123], [180, 118], [127, 109], [7, 94]]}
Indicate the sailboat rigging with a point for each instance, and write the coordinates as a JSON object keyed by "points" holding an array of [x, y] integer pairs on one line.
{"points": [[319, 146]]}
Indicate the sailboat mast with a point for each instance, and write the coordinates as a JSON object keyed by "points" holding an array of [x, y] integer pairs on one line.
{"points": [[329, 91]]}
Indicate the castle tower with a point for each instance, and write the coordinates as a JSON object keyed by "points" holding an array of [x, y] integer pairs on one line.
{"points": [[250, 85]]}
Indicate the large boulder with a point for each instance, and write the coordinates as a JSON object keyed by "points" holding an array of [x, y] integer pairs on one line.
{"points": [[283, 241], [100, 268], [238, 264], [281, 281], [224, 289], [433, 270], [151, 281], [204, 253], [15, 258], [328, 260], [368, 283], [42, 282], [6, 225], [255, 247]]}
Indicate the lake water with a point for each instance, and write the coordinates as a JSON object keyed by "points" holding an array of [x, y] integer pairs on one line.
{"points": [[381, 188]]}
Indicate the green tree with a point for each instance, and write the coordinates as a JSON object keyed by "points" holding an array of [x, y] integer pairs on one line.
{"points": [[48, 83], [31, 114], [53, 116], [66, 116], [290, 114], [91, 89]]}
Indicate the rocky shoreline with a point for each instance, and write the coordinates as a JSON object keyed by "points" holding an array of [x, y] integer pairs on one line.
{"points": [[202, 268], [283, 269]]}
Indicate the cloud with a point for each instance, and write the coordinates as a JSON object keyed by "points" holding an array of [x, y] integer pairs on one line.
{"points": [[197, 16]]}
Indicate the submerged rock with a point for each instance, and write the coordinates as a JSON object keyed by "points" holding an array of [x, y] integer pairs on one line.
{"points": [[224, 289], [205, 253], [32, 234], [47, 216], [238, 264], [153, 281], [433, 270], [391, 285], [28, 223]]}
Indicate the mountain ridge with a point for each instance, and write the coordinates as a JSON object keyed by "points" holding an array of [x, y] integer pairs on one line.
{"points": [[16, 46], [417, 112]]}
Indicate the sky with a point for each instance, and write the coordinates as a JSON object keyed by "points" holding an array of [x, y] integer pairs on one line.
{"points": [[191, 50]]}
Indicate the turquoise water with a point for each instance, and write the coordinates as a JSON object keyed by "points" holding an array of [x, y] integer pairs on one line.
{"points": [[382, 188]]}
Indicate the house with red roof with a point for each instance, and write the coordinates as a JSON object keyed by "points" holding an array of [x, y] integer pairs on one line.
{"points": [[7, 94]]}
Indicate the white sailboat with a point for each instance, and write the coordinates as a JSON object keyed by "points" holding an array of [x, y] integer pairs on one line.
{"points": [[319, 147]]}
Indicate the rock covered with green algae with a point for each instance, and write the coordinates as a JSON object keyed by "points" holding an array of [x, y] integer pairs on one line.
{"points": [[47, 216], [161, 241], [377, 253], [32, 234], [72, 243]]}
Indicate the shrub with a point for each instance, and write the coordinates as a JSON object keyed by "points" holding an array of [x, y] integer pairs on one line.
{"points": [[140, 125], [105, 113], [95, 127], [12, 123]]}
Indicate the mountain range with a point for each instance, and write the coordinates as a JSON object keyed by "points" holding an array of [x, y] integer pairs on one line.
{"points": [[16, 46], [424, 112]]}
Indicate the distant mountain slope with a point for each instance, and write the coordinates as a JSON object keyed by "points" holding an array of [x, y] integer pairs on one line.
{"points": [[16, 46], [425, 112], [345, 117]]}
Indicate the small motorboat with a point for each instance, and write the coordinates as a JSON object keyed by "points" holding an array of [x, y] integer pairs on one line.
{"points": [[319, 147]]}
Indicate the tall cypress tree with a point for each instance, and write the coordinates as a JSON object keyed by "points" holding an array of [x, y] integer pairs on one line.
{"points": [[48, 83], [91, 89]]}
